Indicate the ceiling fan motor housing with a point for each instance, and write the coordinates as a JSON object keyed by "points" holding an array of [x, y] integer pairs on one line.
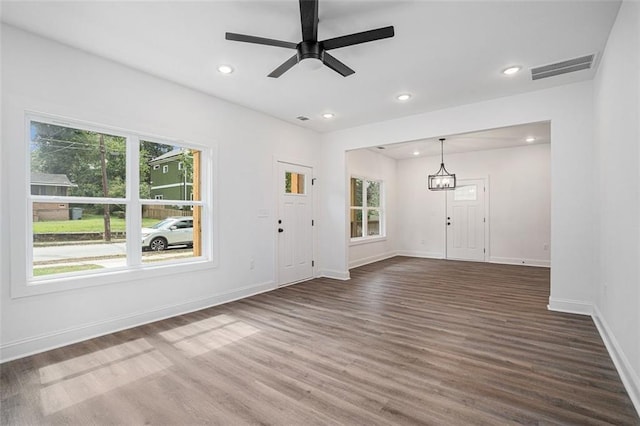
{"points": [[309, 50]]}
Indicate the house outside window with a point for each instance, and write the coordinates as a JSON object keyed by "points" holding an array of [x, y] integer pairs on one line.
{"points": [[366, 208], [82, 192], [174, 183], [53, 185]]}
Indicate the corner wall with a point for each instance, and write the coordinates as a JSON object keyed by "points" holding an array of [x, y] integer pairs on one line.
{"points": [[617, 166], [44, 76], [372, 165]]}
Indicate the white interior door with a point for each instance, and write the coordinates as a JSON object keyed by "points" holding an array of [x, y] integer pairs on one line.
{"points": [[295, 232], [466, 220]]}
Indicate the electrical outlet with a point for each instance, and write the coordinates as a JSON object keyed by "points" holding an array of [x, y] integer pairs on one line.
{"points": [[251, 263], [545, 247]]}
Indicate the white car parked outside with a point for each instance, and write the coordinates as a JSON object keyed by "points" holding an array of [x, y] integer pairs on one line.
{"points": [[172, 231]]}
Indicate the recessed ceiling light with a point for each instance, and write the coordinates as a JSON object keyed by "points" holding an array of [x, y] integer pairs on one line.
{"points": [[416, 152], [511, 70], [328, 115], [225, 69], [530, 139], [403, 97]]}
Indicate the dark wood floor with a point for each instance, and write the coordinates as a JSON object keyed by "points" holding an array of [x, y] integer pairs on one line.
{"points": [[406, 341]]}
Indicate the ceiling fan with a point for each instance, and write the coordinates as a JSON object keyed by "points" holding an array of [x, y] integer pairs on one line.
{"points": [[310, 47]]}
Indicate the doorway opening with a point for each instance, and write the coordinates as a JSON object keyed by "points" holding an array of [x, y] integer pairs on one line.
{"points": [[500, 213]]}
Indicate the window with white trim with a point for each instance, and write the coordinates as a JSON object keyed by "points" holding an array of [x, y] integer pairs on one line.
{"points": [[366, 208], [165, 169], [107, 212]]}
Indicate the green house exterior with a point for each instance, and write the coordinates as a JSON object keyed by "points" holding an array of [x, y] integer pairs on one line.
{"points": [[171, 176]]}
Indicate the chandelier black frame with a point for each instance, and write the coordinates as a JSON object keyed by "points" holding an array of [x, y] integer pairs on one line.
{"points": [[442, 180]]}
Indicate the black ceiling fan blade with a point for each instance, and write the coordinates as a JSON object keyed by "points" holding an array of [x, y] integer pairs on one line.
{"points": [[260, 40], [336, 65], [309, 19], [357, 38], [284, 67]]}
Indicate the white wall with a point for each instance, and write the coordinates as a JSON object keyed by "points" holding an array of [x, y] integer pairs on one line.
{"points": [[570, 110], [617, 165], [372, 165], [41, 75], [519, 201]]}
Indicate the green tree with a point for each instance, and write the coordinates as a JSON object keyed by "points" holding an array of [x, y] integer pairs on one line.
{"points": [[76, 154]]}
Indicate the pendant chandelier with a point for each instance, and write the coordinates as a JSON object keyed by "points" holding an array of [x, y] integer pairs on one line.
{"points": [[442, 180]]}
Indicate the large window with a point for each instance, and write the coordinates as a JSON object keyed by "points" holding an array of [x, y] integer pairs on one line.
{"points": [[367, 211], [104, 200]]}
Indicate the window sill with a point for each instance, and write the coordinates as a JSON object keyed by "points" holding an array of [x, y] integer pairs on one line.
{"points": [[114, 276], [366, 240]]}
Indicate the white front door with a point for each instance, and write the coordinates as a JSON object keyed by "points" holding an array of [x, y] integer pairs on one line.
{"points": [[466, 220], [294, 225]]}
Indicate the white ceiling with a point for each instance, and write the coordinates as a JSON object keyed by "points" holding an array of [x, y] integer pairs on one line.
{"points": [[504, 137], [445, 53]]}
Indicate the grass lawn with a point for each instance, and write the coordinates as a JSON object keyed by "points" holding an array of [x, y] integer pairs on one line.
{"points": [[62, 269], [88, 223]]}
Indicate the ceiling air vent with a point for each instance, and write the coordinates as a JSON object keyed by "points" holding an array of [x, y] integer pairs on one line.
{"points": [[564, 67], [302, 118]]}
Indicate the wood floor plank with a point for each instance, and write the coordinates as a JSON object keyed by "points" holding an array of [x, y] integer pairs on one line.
{"points": [[405, 341]]}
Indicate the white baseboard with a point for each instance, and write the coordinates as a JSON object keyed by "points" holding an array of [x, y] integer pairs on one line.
{"points": [[424, 254], [493, 259], [628, 375], [570, 306], [33, 345], [335, 275], [521, 262], [371, 259]]}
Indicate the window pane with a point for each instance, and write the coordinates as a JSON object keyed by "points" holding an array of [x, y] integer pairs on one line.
{"points": [[356, 223], [373, 194], [77, 237], [373, 222], [294, 183], [170, 232], [356, 192], [72, 162], [466, 193], [167, 172]]}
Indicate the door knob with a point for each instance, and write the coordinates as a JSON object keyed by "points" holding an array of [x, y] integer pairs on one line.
{"points": [[280, 230]]}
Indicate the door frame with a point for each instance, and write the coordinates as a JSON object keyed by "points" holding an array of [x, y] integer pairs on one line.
{"points": [[487, 227], [276, 211]]}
